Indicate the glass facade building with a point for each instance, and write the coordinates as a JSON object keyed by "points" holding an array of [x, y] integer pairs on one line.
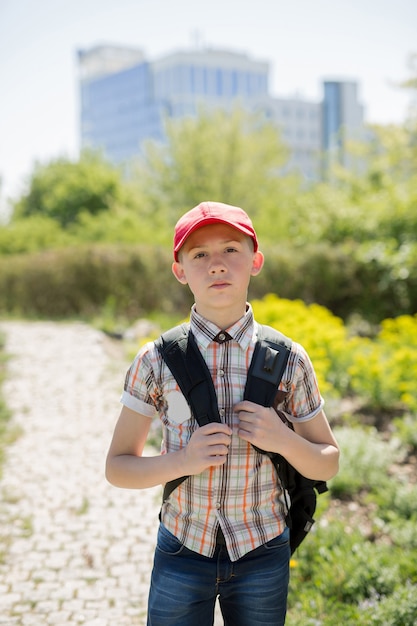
{"points": [[126, 99], [117, 108], [342, 120]]}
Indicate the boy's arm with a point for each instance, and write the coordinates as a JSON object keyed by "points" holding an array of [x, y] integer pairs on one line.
{"points": [[311, 447], [126, 467]]}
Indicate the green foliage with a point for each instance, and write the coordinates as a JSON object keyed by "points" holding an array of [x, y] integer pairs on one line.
{"points": [[63, 189], [80, 281], [118, 225], [406, 430], [317, 273], [365, 460], [375, 203], [400, 500], [32, 234], [398, 609], [232, 157], [358, 566], [340, 577]]}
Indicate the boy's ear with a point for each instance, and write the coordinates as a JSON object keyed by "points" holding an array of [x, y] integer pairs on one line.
{"points": [[258, 262], [178, 271]]}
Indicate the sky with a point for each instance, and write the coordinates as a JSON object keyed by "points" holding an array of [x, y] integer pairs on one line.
{"points": [[304, 42]]}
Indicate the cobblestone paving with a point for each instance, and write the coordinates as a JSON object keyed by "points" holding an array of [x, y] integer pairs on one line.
{"points": [[73, 549]]}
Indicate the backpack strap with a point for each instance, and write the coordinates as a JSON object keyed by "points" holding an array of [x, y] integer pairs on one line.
{"points": [[264, 376], [267, 366], [265, 373], [180, 352], [186, 363]]}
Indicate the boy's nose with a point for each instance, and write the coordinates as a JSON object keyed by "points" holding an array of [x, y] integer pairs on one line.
{"points": [[217, 266]]}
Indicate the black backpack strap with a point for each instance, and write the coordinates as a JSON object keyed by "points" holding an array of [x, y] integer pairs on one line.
{"points": [[183, 357], [265, 373], [267, 366], [186, 363], [266, 369]]}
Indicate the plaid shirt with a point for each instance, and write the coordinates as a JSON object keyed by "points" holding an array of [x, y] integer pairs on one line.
{"points": [[243, 496]]}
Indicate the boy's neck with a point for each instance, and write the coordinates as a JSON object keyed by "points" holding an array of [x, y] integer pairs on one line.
{"points": [[223, 319]]}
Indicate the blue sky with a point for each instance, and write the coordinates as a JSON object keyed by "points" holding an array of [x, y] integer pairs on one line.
{"points": [[305, 41]]}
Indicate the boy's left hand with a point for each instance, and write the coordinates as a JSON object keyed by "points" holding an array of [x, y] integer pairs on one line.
{"points": [[259, 425]]}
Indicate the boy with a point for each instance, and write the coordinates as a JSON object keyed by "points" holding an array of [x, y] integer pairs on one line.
{"points": [[222, 531]]}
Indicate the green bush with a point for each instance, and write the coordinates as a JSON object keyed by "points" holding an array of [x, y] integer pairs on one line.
{"points": [[365, 459], [398, 609], [80, 281], [62, 189], [335, 277], [346, 278], [405, 429], [337, 574], [32, 234], [397, 512]]}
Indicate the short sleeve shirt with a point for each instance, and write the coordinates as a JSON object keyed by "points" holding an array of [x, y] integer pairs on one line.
{"points": [[243, 496]]}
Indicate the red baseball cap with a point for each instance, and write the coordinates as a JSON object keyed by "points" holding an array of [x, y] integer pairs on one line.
{"points": [[212, 213]]}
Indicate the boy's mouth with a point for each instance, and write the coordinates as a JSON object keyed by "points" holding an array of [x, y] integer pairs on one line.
{"points": [[219, 284]]}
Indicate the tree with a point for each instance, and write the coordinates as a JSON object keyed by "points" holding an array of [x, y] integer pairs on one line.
{"points": [[63, 189], [236, 158]]}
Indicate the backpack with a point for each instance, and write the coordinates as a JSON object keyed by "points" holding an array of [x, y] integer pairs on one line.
{"points": [[180, 352]]}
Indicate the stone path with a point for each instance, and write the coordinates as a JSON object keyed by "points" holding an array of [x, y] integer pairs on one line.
{"points": [[73, 549]]}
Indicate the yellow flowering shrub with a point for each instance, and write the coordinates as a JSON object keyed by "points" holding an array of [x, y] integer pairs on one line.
{"points": [[384, 370]]}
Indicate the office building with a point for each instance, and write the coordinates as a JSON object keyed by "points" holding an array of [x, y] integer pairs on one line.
{"points": [[125, 99], [342, 121]]}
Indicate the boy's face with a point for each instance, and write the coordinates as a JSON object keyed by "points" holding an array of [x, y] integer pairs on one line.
{"points": [[217, 262]]}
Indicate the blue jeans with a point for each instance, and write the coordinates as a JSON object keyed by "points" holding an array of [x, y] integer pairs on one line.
{"points": [[252, 591]]}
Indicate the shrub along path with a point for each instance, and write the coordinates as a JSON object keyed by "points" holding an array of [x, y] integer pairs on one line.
{"points": [[73, 549]]}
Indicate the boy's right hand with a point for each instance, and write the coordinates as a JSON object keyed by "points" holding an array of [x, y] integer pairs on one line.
{"points": [[208, 446]]}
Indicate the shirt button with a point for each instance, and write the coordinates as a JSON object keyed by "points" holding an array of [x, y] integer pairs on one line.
{"points": [[220, 372], [222, 412], [221, 336], [218, 505]]}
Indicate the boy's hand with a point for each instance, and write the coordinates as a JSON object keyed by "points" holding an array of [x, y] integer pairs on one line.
{"points": [[208, 446], [259, 425]]}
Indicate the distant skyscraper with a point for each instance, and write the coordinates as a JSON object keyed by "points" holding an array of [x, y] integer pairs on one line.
{"points": [[118, 110], [125, 99], [342, 121], [215, 78]]}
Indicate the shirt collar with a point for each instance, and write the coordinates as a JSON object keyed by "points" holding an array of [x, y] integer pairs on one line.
{"points": [[204, 331]]}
